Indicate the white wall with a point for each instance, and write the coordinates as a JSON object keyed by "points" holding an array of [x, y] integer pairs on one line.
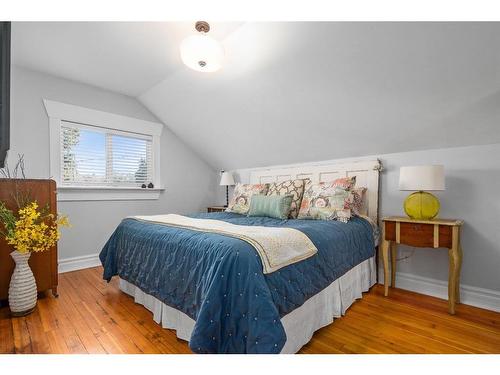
{"points": [[189, 182], [472, 194]]}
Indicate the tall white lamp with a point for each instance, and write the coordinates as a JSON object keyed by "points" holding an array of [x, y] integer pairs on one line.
{"points": [[226, 179], [421, 204]]}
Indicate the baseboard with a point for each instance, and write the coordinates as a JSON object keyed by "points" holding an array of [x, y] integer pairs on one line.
{"points": [[469, 295], [78, 263]]}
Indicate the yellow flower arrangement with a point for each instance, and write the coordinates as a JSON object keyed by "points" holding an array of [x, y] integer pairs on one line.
{"points": [[33, 230]]}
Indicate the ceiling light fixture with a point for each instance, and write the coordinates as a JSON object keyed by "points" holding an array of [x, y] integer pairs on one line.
{"points": [[201, 52]]}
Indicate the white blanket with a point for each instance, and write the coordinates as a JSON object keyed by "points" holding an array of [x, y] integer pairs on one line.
{"points": [[277, 247]]}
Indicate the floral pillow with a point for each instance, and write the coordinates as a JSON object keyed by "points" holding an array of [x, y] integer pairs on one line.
{"points": [[295, 188], [240, 202], [347, 183], [356, 200], [328, 200]]}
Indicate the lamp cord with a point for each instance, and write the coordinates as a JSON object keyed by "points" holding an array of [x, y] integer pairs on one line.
{"points": [[407, 256]]}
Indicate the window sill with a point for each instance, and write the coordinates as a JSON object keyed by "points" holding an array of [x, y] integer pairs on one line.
{"points": [[91, 193]]}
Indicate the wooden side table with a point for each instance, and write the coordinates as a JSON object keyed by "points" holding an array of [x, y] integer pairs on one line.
{"points": [[438, 233], [216, 209]]}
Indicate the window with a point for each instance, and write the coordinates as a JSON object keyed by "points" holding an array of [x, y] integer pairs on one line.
{"points": [[96, 155], [93, 156]]}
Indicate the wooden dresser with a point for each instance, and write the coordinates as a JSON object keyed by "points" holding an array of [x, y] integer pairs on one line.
{"points": [[44, 265]]}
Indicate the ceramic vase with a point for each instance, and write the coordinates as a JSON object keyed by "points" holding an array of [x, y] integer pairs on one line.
{"points": [[22, 288]]}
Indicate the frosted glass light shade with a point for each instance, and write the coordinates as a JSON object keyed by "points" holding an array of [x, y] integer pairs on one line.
{"points": [[202, 53], [226, 179], [422, 178]]}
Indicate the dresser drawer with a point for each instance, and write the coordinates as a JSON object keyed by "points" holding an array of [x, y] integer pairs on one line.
{"points": [[418, 235]]}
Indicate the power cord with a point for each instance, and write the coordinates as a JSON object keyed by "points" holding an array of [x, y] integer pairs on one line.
{"points": [[407, 256]]}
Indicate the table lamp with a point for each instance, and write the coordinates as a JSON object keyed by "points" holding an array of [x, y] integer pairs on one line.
{"points": [[421, 205], [226, 179]]}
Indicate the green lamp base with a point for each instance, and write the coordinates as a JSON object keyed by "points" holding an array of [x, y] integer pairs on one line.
{"points": [[421, 205]]}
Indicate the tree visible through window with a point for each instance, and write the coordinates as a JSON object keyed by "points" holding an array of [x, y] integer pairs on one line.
{"points": [[93, 156]]}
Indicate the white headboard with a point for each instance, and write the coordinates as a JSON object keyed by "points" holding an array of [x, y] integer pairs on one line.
{"points": [[366, 172]]}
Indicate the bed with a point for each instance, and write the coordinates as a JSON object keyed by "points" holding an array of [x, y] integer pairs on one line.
{"points": [[212, 290]]}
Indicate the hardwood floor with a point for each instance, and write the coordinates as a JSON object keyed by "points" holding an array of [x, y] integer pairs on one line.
{"points": [[91, 316]]}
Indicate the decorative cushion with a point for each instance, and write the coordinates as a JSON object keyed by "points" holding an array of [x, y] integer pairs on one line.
{"points": [[347, 183], [240, 202], [328, 200], [276, 206], [295, 188], [356, 201]]}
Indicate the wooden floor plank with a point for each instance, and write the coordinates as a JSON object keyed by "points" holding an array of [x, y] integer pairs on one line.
{"points": [[142, 317], [38, 337], [22, 339], [109, 322], [401, 332], [106, 340], [52, 326], [92, 316], [82, 329], [136, 332], [56, 317], [448, 332], [465, 314], [384, 343], [6, 333]]}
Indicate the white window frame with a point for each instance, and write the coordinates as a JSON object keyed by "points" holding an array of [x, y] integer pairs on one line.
{"points": [[59, 112]]}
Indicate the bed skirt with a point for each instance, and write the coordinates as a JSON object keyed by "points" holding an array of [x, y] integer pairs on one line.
{"points": [[300, 324]]}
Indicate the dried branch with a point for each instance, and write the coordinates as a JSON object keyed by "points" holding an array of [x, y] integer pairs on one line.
{"points": [[19, 169]]}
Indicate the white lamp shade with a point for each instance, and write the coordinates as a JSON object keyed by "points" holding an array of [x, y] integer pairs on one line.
{"points": [[422, 177], [226, 179], [202, 53]]}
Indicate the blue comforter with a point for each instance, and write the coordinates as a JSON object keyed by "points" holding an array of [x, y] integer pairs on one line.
{"points": [[218, 280]]}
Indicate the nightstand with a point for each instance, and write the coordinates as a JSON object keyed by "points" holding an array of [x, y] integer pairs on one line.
{"points": [[437, 233], [216, 209]]}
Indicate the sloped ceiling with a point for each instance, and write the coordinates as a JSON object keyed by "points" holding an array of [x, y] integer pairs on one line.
{"points": [[125, 57], [296, 92]]}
